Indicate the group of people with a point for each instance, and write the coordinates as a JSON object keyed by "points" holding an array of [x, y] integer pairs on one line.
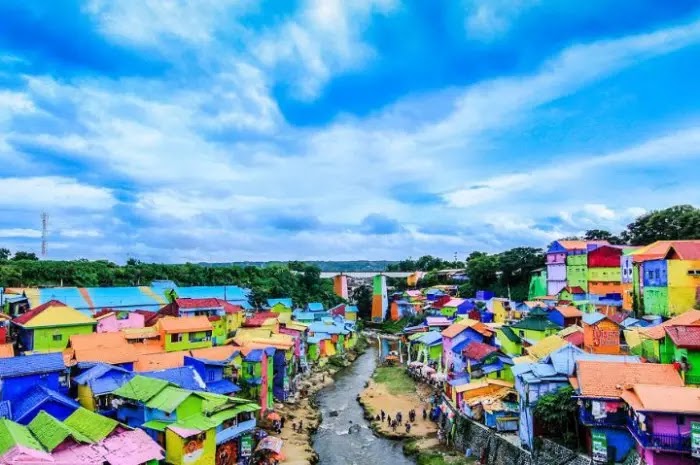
{"points": [[398, 419], [298, 427], [277, 425]]}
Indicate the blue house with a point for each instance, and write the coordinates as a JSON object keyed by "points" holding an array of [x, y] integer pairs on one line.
{"points": [[96, 384], [314, 307], [40, 398], [212, 373], [5, 410], [20, 374]]}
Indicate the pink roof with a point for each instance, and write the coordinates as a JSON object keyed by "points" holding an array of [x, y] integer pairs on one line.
{"points": [[183, 432], [21, 454], [130, 447]]}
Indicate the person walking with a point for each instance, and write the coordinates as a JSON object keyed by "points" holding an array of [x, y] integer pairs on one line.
{"points": [[282, 420], [388, 420], [408, 428], [393, 426], [383, 415], [425, 415]]}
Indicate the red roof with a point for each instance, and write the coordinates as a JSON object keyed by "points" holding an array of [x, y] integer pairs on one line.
{"points": [[686, 337], [259, 319], [478, 350], [687, 250], [575, 339], [198, 303], [574, 289], [230, 308], [338, 310], [26, 317]]}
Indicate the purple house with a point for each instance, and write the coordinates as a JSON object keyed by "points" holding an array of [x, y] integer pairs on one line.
{"points": [[556, 263], [660, 420], [456, 338]]}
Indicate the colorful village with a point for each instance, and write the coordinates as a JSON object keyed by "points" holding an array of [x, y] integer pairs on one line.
{"points": [[196, 375]]}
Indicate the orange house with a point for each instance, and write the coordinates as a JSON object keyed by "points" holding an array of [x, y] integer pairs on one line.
{"points": [[601, 335]]}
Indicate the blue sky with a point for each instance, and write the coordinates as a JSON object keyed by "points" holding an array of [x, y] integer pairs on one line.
{"points": [[216, 130]]}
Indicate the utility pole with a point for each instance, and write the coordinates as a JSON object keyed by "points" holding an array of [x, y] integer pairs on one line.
{"points": [[44, 234]]}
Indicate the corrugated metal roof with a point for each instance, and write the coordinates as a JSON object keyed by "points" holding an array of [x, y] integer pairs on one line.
{"points": [[169, 399], [31, 364], [36, 397], [13, 434], [51, 432], [91, 424], [184, 377], [223, 386], [141, 388]]}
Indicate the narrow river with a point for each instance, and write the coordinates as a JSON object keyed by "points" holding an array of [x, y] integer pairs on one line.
{"points": [[346, 439]]}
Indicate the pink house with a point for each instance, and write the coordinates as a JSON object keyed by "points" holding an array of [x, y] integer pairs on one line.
{"points": [[661, 419], [295, 330], [111, 321]]}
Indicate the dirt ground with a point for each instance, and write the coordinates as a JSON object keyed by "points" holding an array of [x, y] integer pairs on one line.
{"points": [[376, 398]]}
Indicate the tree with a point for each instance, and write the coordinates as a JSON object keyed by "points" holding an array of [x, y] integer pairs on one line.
{"points": [[602, 235], [19, 255], [674, 223], [482, 271], [362, 296], [556, 412], [4, 254]]}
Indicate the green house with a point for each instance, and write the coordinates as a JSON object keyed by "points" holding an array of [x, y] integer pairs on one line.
{"points": [[48, 327], [510, 343], [577, 270], [535, 327], [257, 376], [185, 333], [681, 346]]}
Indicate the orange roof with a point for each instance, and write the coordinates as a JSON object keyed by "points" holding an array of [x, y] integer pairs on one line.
{"points": [[185, 324], [97, 341], [454, 330], [664, 399], [655, 250], [610, 379], [573, 245], [160, 361], [482, 329], [569, 311], [7, 350], [123, 355], [215, 353], [689, 318]]}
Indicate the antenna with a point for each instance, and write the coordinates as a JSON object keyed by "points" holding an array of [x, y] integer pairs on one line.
{"points": [[44, 233]]}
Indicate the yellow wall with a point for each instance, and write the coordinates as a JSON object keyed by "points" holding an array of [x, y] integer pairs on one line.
{"points": [[234, 320], [85, 397], [499, 312], [682, 287], [175, 449]]}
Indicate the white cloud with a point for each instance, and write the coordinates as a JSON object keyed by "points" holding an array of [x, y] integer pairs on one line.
{"points": [[78, 233], [53, 192], [20, 232], [489, 19], [599, 211]]}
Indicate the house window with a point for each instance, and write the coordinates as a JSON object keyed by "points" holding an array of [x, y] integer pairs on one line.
{"points": [[57, 337], [210, 375], [680, 420], [656, 274], [521, 333], [176, 337]]}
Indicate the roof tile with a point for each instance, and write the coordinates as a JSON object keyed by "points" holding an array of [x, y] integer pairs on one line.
{"points": [[686, 337], [185, 324], [141, 388], [610, 379], [92, 425], [478, 350], [664, 399], [31, 364]]}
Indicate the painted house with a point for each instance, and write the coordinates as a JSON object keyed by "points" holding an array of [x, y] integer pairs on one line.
{"points": [[682, 348], [627, 273], [600, 386], [427, 347], [538, 283], [280, 305], [604, 271], [649, 341], [112, 321], [454, 306], [257, 376], [601, 335], [48, 327], [219, 312], [577, 268], [485, 361], [536, 326], [565, 315], [87, 438], [213, 375], [229, 356], [18, 445], [660, 421], [455, 337], [509, 342], [185, 333], [20, 374], [95, 387], [500, 308], [557, 263], [572, 293]]}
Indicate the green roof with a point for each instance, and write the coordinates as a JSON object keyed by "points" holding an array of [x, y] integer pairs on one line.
{"points": [[51, 432], [93, 425], [199, 422], [213, 401], [508, 332], [156, 425], [535, 322], [169, 399], [13, 434], [250, 407], [141, 388]]}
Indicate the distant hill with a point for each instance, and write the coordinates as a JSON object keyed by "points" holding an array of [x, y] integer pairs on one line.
{"points": [[355, 265]]}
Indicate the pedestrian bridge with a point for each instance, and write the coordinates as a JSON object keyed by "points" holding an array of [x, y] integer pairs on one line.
{"points": [[367, 274]]}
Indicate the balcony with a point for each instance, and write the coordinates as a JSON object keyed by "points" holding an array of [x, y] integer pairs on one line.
{"points": [[692, 379], [611, 420], [235, 431], [659, 442]]}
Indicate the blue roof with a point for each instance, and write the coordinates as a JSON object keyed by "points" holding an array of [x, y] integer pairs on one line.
{"points": [[35, 398], [5, 409], [459, 381], [431, 338], [254, 356], [287, 302], [185, 377], [497, 365], [350, 309], [317, 338], [303, 316], [333, 328], [457, 348], [593, 318], [315, 307], [233, 294], [103, 378], [31, 364], [223, 386]]}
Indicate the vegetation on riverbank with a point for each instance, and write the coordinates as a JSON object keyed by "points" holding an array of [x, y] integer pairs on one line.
{"points": [[427, 453], [395, 379]]}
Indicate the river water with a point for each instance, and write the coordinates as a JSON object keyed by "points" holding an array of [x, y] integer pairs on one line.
{"points": [[346, 439]]}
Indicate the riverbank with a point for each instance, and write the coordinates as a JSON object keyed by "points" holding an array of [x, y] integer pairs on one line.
{"points": [[391, 389], [297, 448]]}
